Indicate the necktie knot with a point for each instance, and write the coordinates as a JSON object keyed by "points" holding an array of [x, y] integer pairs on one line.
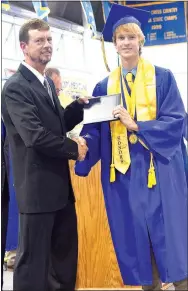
{"points": [[129, 77]]}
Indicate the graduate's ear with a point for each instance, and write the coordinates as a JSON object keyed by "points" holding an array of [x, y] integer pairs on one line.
{"points": [[116, 49], [114, 42], [140, 50], [141, 44]]}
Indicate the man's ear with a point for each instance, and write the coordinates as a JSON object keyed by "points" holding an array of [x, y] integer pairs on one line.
{"points": [[23, 47]]}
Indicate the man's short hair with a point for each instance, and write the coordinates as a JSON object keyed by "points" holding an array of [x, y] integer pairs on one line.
{"points": [[31, 24], [50, 71]]}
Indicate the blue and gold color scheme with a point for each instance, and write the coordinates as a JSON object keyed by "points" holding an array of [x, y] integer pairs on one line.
{"points": [[167, 23], [88, 11], [5, 5], [106, 6], [139, 215], [119, 12], [41, 9]]}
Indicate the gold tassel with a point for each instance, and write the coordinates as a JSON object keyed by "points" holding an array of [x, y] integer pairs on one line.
{"points": [[112, 166], [104, 55], [112, 173], [151, 174]]}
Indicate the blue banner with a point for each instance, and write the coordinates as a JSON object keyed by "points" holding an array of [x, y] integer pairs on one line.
{"points": [[167, 23], [106, 6], [88, 11], [41, 9], [5, 5], [130, 2]]}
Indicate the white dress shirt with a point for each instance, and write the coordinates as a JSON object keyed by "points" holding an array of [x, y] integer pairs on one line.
{"points": [[35, 72]]}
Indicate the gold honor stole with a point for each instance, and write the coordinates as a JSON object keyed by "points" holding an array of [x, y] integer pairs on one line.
{"points": [[143, 102]]}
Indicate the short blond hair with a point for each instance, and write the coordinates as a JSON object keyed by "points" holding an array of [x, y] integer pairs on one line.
{"points": [[130, 28]]}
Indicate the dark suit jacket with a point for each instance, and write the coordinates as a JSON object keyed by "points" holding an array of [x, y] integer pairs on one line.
{"points": [[37, 136]]}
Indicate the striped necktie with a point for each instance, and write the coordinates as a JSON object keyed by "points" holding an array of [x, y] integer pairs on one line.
{"points": [[48, 89], [129, 79]]}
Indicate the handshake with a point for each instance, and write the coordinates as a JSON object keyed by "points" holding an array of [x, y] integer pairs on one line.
{"points": [[82, 148]]}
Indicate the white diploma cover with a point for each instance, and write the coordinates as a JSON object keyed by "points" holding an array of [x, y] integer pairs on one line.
{"points": [[100, 108]]}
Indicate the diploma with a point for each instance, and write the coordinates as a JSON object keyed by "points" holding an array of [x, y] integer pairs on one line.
{"points": [[100, 108]]}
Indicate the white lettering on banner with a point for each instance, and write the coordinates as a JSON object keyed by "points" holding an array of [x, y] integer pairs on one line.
{"points": [[157, 11], [170, 10], [172, 17], [157, 19], [158, 26]]}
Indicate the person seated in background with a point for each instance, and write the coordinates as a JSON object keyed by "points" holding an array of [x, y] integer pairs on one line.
{"points": [[142, 168], [65, 100]]}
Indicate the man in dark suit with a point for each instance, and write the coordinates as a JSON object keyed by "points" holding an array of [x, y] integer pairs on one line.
{"points": [[37, 126]]}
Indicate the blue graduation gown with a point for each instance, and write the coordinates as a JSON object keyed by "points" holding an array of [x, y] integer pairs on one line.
{"points": [[137, 214], [13, 220], [12, 227], [184, 148]]}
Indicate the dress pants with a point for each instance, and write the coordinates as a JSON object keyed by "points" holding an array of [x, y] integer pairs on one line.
{"points": [[47, 252], [157, 285]]}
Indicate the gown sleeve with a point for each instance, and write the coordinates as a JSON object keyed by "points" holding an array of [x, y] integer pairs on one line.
{"points": [[164, 135]]}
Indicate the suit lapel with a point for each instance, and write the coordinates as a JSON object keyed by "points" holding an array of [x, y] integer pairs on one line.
{"points": [[59, 108], [35, 84]]}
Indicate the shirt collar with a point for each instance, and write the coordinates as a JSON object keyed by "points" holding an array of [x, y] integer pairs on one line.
{"points": [[133, 71], [35, 72]]}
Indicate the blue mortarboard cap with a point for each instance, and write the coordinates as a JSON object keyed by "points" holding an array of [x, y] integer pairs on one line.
{"points": [[120, 15]]}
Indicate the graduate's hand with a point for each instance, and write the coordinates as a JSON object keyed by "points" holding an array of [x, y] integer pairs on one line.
{"points": [[82, 140], [82, 151], [82, 147], [121, 113]]}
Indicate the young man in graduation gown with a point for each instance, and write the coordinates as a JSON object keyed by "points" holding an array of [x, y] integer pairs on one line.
{"points": [[142, 174]]}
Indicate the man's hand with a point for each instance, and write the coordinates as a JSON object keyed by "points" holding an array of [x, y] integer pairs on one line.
{"points": [[121, 113], [83, 100], [82, 147]]}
